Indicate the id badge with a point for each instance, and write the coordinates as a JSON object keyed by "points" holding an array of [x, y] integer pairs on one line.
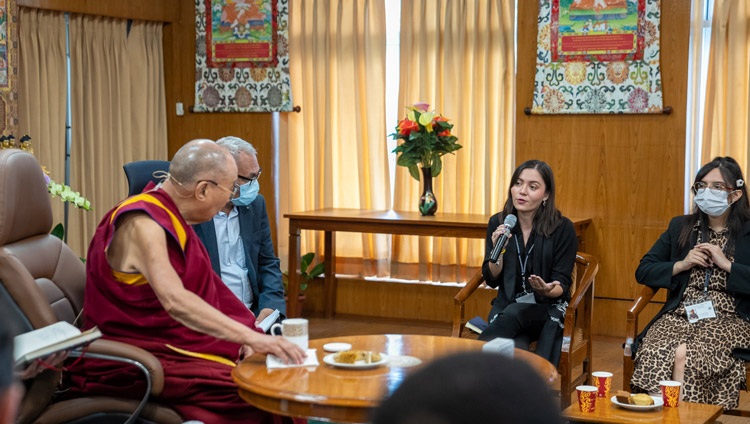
{"points": [[701, 310], [526, 298]]}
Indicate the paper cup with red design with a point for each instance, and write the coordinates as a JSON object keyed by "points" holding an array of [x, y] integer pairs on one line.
{"points": [[670, 392], [587, 398], [603, 382]]}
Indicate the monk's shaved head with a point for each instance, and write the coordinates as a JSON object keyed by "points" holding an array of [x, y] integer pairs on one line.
{"points": [[199, 160]]}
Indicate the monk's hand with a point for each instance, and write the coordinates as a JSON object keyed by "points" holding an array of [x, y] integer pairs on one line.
{"points": [[245, 351], [285, 350], [538, 285]]}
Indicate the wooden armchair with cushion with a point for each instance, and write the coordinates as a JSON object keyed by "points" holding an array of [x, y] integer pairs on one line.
{"points": [[576, 347], [631, 331]]}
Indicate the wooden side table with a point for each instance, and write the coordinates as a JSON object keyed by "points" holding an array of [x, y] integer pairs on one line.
{"points": [[607, 412], [333, 220]]}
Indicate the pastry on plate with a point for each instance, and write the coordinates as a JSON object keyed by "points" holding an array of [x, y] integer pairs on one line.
{"points": [[641, 399], [354, 356], [623, 396]]}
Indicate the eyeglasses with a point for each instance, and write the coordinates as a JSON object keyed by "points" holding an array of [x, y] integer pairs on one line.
{"points": [[715, 186], [232, 193], [251, 179]]}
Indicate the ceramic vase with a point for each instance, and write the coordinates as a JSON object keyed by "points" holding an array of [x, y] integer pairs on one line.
{"points": [[427, 202]]}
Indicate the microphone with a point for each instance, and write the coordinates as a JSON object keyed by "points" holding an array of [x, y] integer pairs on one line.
{"points": [[509, 223]]}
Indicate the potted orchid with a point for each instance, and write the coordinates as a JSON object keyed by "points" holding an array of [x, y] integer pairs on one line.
{"points": [[61, 191], [426, 136]]}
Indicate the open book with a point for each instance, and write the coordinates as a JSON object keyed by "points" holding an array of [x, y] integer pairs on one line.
{"points": [[50, 339]]}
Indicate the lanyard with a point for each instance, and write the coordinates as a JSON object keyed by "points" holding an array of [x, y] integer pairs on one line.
{"points": [[709, 272], [522, 263]]}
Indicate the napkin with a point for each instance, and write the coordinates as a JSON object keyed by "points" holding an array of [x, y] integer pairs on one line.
{"points": [[273, 361]]}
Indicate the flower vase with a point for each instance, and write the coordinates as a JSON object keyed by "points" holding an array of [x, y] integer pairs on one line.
{"points": [[427, 201]]}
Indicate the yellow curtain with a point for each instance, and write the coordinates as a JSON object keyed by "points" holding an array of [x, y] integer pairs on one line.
{"points": [[334, 154], [727, 100], [118, 104], [458, 56], [696, 65]]}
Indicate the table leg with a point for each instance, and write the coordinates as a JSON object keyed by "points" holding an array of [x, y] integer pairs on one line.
{"points": [[330, 273], [293, 285]]}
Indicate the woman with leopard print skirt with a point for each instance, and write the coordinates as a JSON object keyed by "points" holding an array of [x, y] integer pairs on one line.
{"points": [[703, 259]]}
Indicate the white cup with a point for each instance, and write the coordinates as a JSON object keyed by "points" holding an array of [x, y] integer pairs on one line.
{"points": [[294, 330]]}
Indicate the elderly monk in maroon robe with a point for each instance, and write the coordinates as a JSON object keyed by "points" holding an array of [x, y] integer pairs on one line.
{"points": [[150, 283]]}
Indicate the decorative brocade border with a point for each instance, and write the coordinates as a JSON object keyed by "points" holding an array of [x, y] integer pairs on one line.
{"points": [[616, 67], [242, 56], [8, 66]]}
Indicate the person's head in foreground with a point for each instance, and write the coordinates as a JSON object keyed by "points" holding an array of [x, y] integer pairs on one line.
{"points": [[470, 388]]}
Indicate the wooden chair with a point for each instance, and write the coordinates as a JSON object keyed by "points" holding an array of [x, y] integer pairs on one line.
{"points": [[576, 345], [631, 331]]}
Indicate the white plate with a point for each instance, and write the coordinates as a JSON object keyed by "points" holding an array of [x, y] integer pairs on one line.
{"points": [[328, 359], [336, 347], [658, 402]]}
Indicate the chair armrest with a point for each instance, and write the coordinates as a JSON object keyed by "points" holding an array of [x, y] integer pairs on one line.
{"points": [[459, 301], [581, 302], [124, 350], [631, 326]]}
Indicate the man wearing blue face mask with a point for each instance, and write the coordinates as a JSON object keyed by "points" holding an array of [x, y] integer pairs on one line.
{"points": [[238, 239]]}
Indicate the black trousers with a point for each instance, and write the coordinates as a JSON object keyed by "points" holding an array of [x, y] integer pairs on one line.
{"points": [[521, 322]]}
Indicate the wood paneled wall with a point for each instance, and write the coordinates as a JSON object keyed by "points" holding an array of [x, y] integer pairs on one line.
{"points": [[179, 75], [623, 171], [179, 49]]}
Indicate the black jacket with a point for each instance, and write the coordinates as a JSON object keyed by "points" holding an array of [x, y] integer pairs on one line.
{"points": [[655, 270]]}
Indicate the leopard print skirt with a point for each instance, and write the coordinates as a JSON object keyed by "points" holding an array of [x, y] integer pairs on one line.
{"points": [[712, 374]]}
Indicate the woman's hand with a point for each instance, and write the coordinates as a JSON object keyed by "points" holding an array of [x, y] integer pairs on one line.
{"points": [[715, 256], [499, 231], [497, 267], [700, 255], [553, 289]]}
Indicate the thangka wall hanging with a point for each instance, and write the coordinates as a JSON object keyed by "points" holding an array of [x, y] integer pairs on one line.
{"points": [[242, 56], [8, 66], [598, 56]]}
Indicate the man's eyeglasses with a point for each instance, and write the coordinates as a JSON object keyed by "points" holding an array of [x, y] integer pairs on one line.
{"points": [[715, 186], [232, 193], [251, 179]]}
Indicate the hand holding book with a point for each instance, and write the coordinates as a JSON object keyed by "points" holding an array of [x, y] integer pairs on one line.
{"points": [[36, 367], [58, 337]]}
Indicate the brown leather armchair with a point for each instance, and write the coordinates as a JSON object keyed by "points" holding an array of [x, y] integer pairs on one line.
{"points": [[44, 278], [631, 331], [576, 348]]}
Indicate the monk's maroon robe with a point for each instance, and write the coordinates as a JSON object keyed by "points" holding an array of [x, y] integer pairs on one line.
{"points": [[125, 308]]}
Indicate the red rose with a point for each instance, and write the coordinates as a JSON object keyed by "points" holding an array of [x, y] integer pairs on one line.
{"points": [[405, 127]]}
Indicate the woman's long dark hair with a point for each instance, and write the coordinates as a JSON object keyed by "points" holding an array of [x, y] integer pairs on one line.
{"points": [[547, 218], [739, 211]]}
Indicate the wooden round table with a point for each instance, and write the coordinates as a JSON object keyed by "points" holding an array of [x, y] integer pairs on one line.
{"points": [[350, 395]]}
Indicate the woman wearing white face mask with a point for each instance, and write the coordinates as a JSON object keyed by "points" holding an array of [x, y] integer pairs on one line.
{"points": [[703, 259]]}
